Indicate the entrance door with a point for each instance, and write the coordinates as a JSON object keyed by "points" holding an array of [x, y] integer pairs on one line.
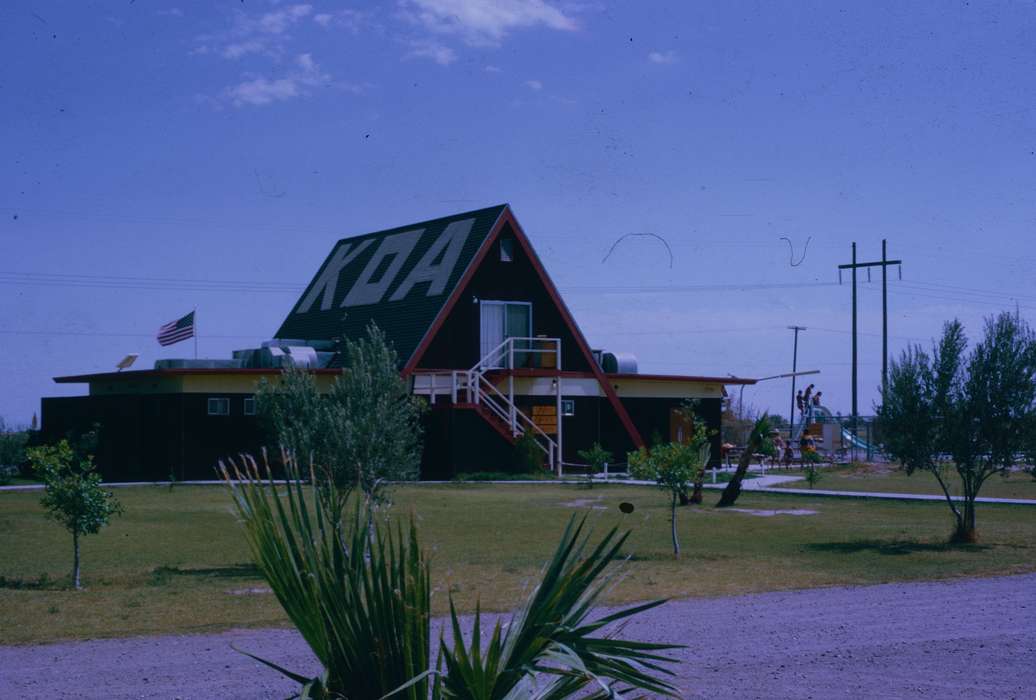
{"points": [[681, 429], [500, 320]]}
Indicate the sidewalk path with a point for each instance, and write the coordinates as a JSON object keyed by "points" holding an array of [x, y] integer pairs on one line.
{"points": [[759, 484]]}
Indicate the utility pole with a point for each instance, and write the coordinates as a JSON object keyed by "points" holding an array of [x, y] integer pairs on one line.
{"points": [[794, 369], [884, 319], [854, 266]]}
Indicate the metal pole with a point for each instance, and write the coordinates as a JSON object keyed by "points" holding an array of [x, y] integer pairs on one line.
{"points": [[884, 321], [853, 442], [557, 366], [794, 368]]}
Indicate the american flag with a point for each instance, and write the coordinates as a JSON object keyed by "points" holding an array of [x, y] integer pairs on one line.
{"points": [[175, 331]]}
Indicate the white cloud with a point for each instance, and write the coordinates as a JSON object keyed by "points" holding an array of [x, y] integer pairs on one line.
{"points": [[171, 12], [432, 50], [237, 50], [663, 57], [492, 69], [279, 21], [265, 34], [352, 20], [534, 84], [484, 22], [261, 90]]}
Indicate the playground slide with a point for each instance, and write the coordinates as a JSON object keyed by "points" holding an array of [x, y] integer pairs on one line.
{"points": [[822, 414]]}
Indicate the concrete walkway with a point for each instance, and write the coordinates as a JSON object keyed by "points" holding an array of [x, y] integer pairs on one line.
{"points": [[762, 483]]}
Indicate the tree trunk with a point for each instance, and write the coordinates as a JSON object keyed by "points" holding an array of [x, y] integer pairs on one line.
{"points": [[733, 489], [966, 532], [75, 560], [676, 541], [684, 498], [696, 496]]}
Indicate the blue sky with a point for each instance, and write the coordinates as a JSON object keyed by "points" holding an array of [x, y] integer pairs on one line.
{"points": [[157, 157]]}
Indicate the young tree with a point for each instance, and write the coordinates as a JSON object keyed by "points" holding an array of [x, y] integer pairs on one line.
{"points": [[975, 409], [758, 442], [689, 412], [72, 494], [364, 433], [673, 467]]}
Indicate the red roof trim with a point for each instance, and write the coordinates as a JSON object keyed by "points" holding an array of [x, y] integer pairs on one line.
{"points": [[567, 317], [506, 216], [684, 378], [177, 371], [517, 372]]}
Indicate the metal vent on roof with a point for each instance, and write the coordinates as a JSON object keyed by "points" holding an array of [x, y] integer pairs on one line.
{"points": [[619, 362]]}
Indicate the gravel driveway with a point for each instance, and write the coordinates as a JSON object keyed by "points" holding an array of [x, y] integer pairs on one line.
{"points": [[971, 638]]}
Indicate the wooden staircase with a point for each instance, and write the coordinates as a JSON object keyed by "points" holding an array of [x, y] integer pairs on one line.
{"points": [[472, 390]]}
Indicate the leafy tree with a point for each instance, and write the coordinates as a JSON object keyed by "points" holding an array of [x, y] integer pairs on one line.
{"points": [[293, 412], [12, 451], [673, 467], [377, 419], [688, 411], [974, 410], [12, 445], [759, 442], [364, 433], [72, 494], [596, 457]]}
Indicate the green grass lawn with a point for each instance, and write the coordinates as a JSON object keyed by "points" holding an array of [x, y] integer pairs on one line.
{"points": [[177, 560], [891, 480]]}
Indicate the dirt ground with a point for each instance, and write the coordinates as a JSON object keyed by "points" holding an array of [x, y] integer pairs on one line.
{"points": [[970, 638]]}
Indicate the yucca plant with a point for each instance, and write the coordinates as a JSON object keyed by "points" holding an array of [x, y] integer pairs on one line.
{"points": [[360, 599], [366, 617], [549, 648]]}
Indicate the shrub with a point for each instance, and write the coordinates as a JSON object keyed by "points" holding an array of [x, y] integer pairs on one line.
{"points": [[528, 456], [12, 447], [596, 457]]}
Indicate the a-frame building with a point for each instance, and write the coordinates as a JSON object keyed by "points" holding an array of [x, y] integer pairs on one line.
{"points": [[480, 331]]}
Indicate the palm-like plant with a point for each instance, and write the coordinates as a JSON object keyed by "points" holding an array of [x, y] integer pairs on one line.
{"points": [[366, 618], [758, 441], [549, 648], [361, 600]]}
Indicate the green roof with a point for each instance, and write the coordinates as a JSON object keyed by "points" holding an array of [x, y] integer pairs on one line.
{"points": [[399, 278]]}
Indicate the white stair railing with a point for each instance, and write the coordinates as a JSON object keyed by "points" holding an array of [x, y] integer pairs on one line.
{"points": [[472, 386]]}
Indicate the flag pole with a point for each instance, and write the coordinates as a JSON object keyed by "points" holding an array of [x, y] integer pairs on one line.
{"points": [[195, 312]]}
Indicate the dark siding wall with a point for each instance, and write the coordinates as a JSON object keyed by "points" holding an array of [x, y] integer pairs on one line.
{"points": [[476, 447], [436, 461], [149, 437], [651, 415], [456, 346], [595, 421]]}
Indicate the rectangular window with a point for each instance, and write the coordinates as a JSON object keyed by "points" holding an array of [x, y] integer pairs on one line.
{"points": [[249, 407], [568, 407], [506, 249], [219, 407]]}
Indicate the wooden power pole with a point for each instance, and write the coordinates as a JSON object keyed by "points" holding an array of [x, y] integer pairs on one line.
{"points": [[884, 264]]}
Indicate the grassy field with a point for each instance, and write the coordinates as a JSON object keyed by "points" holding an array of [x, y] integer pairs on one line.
{"points": [[177, 562], [883, 479]]}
